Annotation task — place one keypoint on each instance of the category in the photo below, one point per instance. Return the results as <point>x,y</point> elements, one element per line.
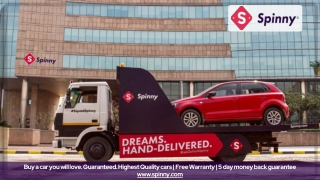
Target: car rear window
<point>251,88</point>
<point>266,88</point>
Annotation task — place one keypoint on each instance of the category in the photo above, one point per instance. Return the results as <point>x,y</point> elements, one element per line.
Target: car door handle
<point>263,98</point>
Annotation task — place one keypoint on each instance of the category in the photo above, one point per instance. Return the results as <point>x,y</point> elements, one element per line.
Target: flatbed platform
<point>141,116</point>
<point>157,116</point>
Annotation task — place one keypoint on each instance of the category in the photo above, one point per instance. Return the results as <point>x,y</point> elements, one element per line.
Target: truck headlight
<point>174,105</point>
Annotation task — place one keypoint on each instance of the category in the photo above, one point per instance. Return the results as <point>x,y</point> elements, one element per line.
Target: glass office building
<point>89,39</point>
<point>9,17</point>
<point>280,57</point>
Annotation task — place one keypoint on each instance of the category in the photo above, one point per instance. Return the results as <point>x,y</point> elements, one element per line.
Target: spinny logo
<point>265,18</point>
<point>30,59</point>
<point>276,19</point>
<point>128,96</point>
<point>241,17</point>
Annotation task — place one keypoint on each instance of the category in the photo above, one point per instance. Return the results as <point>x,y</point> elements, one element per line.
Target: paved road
<point>79,158</point>
<point>298,148</point>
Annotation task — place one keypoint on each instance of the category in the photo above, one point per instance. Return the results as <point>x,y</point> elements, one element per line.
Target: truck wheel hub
<point>97,151</point>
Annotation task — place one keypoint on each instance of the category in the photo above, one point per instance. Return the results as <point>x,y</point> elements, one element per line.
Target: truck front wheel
<point>97,149</point>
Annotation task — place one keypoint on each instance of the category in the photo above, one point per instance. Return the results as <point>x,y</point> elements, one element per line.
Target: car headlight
<point>174,105</point>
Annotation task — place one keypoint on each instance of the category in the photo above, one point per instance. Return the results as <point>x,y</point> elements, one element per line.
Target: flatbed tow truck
<point>148,125</point>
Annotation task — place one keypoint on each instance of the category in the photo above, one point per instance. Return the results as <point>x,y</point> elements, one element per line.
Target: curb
<point>283,152</point>
<point>117,153</point>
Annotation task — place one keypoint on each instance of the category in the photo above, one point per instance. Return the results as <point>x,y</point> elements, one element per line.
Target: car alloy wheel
<point>191,119</point>
<point>274,117</point>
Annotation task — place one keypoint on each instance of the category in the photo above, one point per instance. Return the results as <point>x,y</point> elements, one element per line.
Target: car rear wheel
<point>273,116</point>
<point>191,118</point>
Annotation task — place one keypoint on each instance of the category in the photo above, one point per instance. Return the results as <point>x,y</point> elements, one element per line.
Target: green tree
<point>115,114</point>
<point>312,106</point>
<point>2,122</point>
<point>294,101</point>
<point>314,63</point>
<point>298,103</point>
<point>44,119</point>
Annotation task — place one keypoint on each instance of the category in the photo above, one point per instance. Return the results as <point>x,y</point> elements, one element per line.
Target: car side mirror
<point>211,94</point>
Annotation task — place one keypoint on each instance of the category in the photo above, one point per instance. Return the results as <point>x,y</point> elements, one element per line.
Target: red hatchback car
<point>234,102</point>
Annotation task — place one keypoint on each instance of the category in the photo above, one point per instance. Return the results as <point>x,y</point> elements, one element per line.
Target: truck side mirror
<point>211,94</point>
<point>68,103</point>
<point>68,92</point>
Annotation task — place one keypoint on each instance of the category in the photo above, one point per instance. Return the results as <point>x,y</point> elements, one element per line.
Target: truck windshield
<point>74,97</point>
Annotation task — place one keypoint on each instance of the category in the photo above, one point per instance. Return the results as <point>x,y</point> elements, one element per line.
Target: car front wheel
<point>191,118</point>
<point>273,116</point>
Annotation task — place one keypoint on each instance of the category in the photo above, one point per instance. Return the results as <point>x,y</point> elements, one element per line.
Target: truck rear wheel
<point>236,158</point>
<point>97,149</point>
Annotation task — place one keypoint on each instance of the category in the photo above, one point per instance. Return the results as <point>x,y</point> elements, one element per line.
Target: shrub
<point>4,124</point>
<point>44,119</point>
<point>315,63</point>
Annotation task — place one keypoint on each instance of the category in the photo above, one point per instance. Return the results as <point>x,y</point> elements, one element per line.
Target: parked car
<point>254,102</point>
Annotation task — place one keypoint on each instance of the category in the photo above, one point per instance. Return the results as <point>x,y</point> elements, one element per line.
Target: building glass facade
<point>173,89</point>
<point>8,29</point>
<point>149,63</point>
<point>146,37</point>
<point>136,11</point>
<point>313,87</point>
<point>254,54</point>
<point>271,56</point>
<point>294,86</point>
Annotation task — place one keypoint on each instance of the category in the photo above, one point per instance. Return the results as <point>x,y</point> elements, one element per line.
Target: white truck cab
<point>86,108</point>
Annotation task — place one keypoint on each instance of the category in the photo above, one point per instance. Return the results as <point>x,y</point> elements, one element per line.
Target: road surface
<point>79,158</point>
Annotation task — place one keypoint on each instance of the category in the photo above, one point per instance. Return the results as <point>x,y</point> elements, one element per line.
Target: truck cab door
<point>83,112</point>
